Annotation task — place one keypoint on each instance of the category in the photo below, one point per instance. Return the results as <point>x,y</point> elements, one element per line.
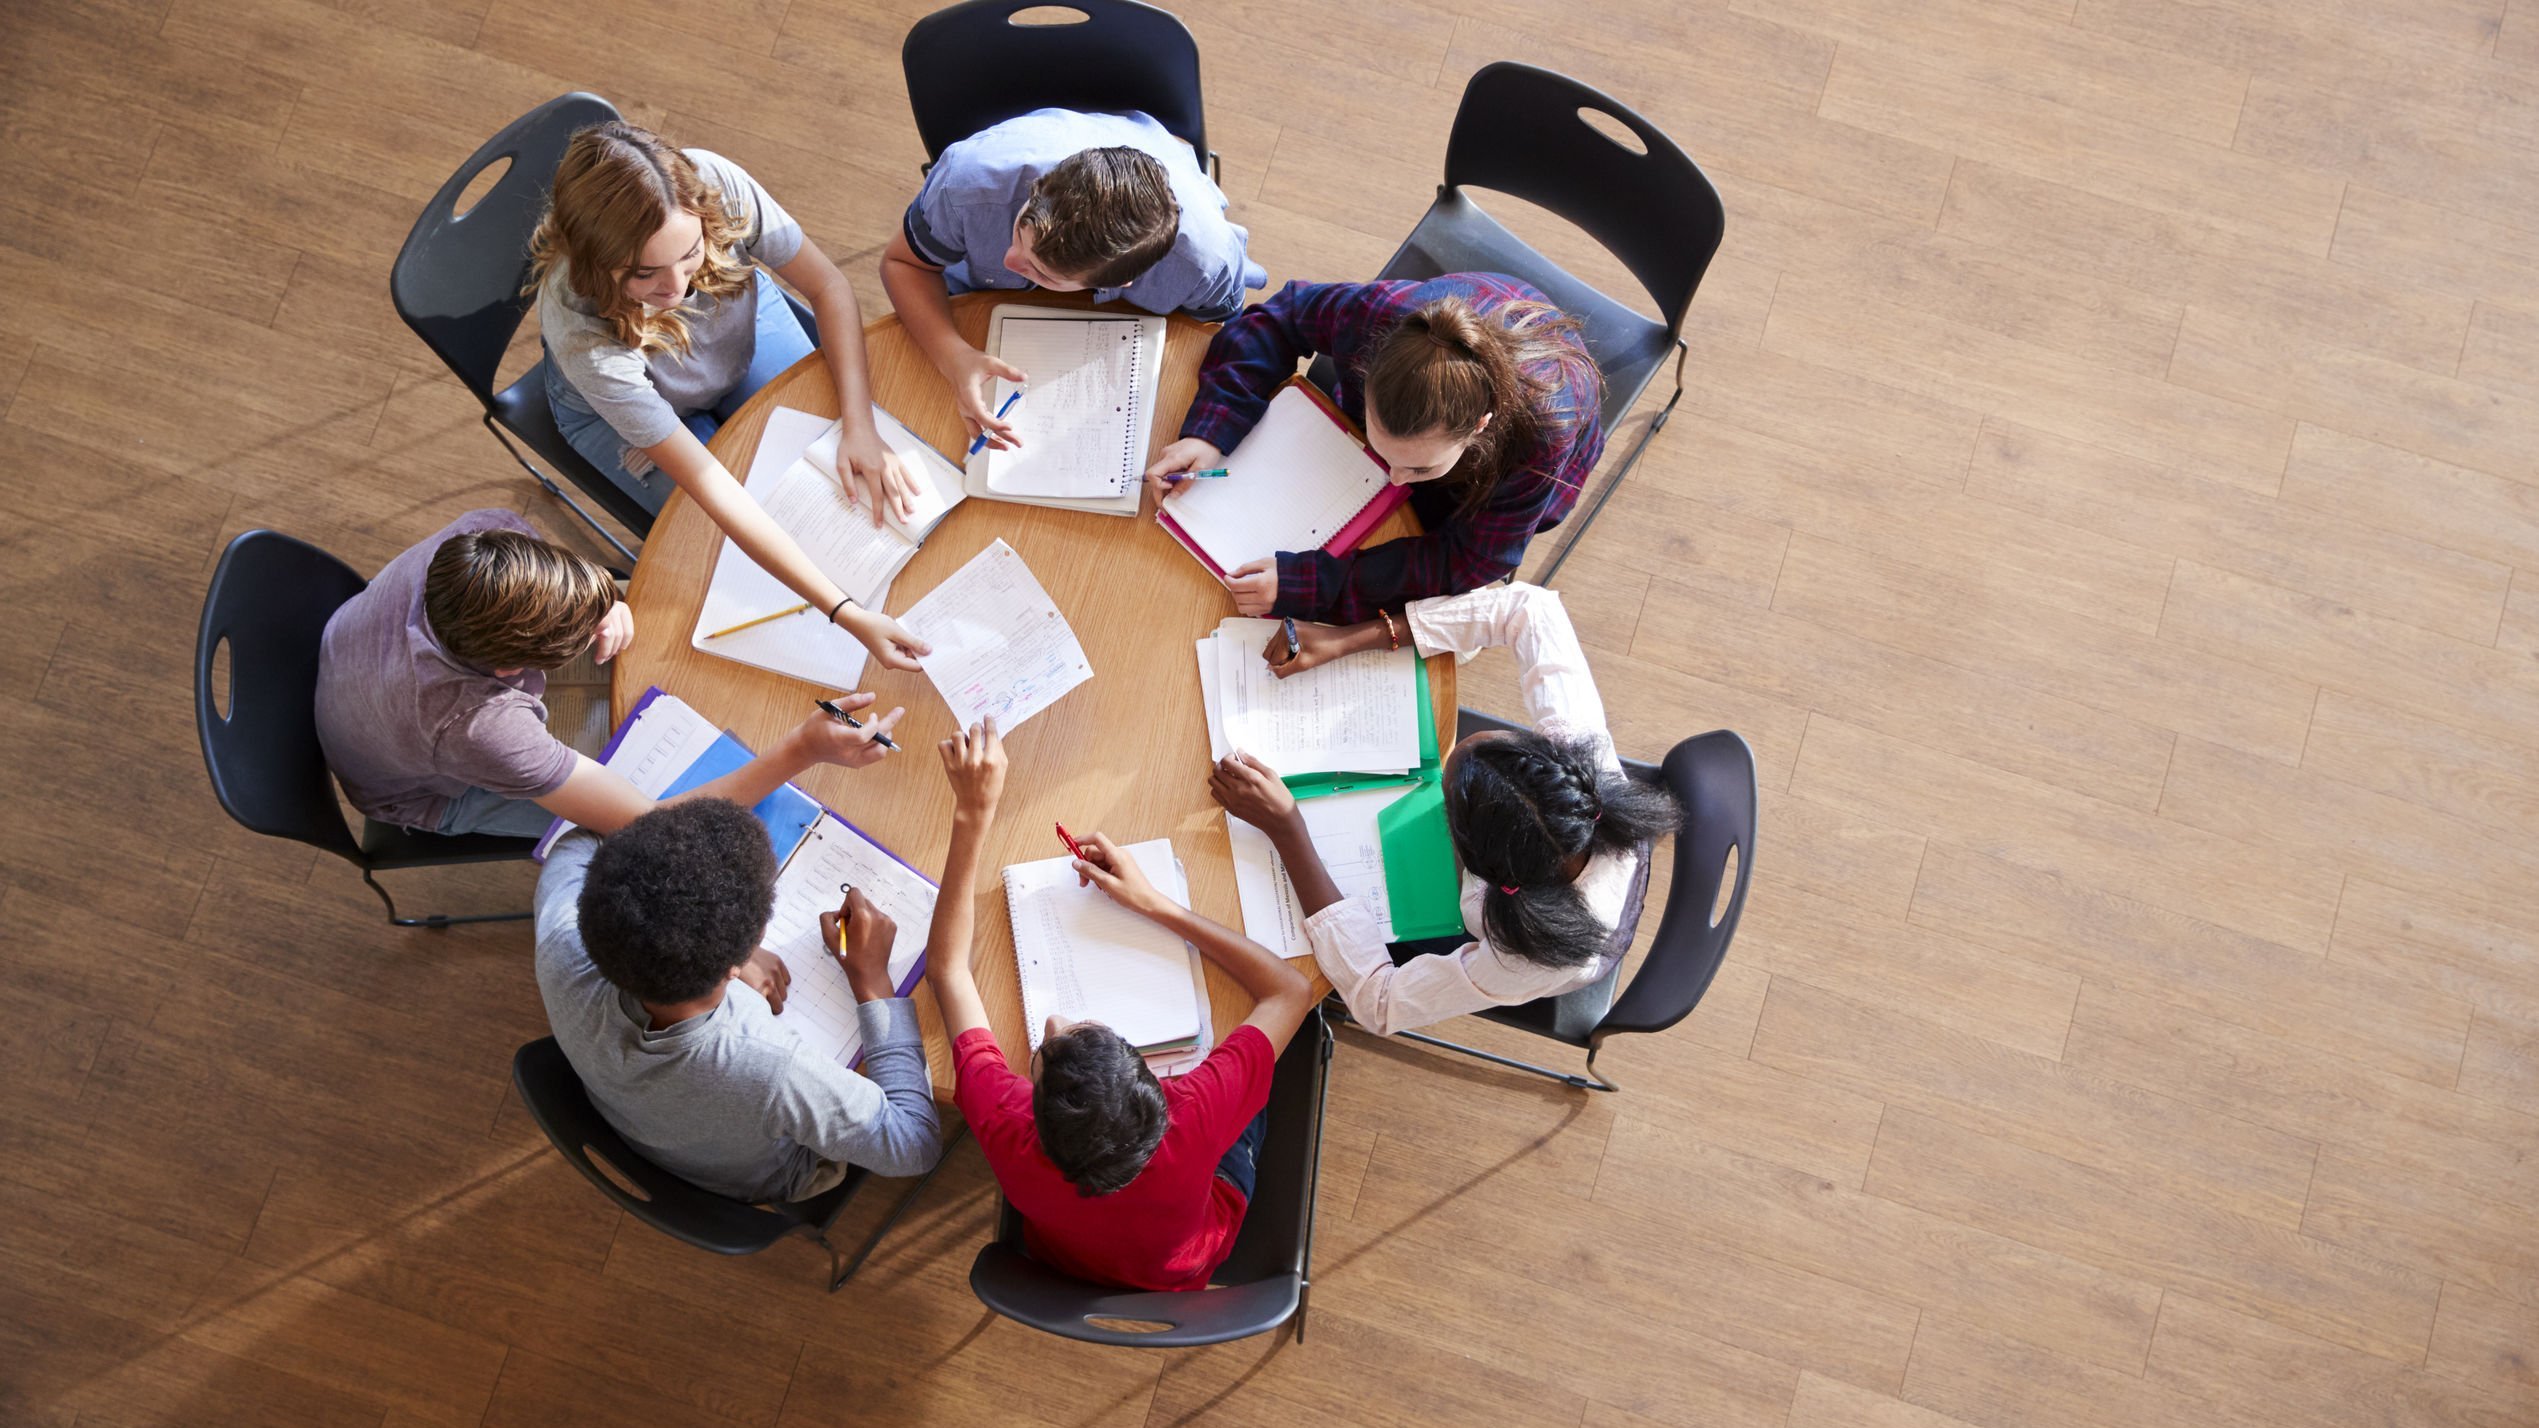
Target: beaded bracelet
<point>1392,636</point>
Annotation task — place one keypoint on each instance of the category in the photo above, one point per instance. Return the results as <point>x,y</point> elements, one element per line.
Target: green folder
<point>1317,785</point>
<point>1421,880</point>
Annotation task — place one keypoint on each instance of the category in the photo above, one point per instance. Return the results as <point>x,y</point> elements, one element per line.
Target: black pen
<point>853,723</point>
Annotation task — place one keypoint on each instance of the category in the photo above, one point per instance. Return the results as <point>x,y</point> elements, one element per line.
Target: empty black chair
<point>557,1102</point>
<point>1713,776</point>
<point>1521,131</point>
<point>1266,1278</point>
<point>970,66</point>
<point>270,599</point>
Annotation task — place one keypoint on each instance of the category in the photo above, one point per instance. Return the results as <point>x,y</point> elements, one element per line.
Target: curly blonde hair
<point>616,185</point>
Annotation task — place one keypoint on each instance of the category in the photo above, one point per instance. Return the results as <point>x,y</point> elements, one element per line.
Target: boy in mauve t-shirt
<point>1119,1179</point>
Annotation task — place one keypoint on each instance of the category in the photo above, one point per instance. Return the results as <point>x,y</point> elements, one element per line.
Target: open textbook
<point>1086,413</point>
<point>999,645</point>
<point>665,747</point>
<point>1086,958</point>
<point>1359,714</point>
<point>1301,479</point>
<point>793,478</point>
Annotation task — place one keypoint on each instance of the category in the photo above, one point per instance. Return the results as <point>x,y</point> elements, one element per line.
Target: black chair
<point>1266,1278</point>
<point>269,602</point>
<point>1520,131</point>
<point>1713,775</point>
<point>460,282</point>
<point>970,66</point>
<point>557,1102</point>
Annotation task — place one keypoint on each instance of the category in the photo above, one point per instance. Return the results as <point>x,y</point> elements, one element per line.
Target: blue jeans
<point>781,342</point>
<point>1241,1165</point>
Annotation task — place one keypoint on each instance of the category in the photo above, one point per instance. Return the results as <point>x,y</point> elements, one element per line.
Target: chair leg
<point>1570,539</point>
<point>437,920</point>
<point>841,1268</point>
<point>558,492</point>
<point>1589,1082</point>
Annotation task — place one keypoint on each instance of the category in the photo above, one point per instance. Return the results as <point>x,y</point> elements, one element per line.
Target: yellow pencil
<point>763,619</point>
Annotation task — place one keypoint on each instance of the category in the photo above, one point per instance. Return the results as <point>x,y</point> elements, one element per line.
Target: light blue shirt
<point>729,1099</point>
<point>963,219</point>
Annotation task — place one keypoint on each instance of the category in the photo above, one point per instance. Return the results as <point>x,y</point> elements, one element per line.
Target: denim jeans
<point>1241,1165</point>
<point>781,343</point>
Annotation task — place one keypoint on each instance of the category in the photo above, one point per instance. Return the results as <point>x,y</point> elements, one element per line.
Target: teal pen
<point>1011,397</point>
<point>1213,473</point>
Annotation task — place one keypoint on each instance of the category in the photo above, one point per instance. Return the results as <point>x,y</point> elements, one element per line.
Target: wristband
<point>843,602</point>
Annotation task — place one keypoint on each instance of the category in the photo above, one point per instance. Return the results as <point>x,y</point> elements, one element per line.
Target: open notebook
<point>1086,958</point>
<point>665,747</point>
<point>1301,479</point>
<point>1086,413</point>
<point>793,479</point>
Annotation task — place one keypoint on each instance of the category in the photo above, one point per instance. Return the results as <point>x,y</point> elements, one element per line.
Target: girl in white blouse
<point>1546,826</point>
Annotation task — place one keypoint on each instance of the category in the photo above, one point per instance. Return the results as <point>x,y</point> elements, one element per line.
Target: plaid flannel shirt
<point>1256,352</point>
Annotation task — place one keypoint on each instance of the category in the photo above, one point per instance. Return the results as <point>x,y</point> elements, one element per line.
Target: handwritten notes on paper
<point>1000,646</point>
<point>1359,714</point>
<point>820,1006</point>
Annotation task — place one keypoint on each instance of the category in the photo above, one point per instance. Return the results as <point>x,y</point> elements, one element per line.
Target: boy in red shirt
<point>1119,1179</point>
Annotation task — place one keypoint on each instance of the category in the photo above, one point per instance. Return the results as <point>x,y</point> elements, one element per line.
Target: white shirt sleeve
<point>1560,695</point>
<point>1349,946</point>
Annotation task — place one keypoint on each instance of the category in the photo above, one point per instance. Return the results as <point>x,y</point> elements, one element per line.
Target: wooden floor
<point>2100,499</point>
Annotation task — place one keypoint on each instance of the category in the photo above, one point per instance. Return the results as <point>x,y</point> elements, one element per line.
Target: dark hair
<point>1102,216</point>
<point>1099,1110</point>
<point>676,899</point>
<point>504,600</point>
<point>1446,366</point>
<point>1522,805</point>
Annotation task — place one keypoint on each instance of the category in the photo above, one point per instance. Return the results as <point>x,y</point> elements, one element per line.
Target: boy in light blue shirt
<point>1070,202</point>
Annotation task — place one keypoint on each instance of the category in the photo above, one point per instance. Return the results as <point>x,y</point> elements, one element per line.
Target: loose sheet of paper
<point>1078,418</point>
<point>1293,482</point>
<point>666,736</point>
<point>819,1004</point>
<point>1082,956</point>
<point>938,480</point>
<point>1000,646</point>
<point>1357,715</point>
<point>1342,826</point>
<point>802,645</point>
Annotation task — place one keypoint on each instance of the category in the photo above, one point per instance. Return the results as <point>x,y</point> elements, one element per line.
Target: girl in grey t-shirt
<point>658,325</point>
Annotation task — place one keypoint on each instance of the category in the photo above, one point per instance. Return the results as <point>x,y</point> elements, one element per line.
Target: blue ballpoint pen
<point>1011,397</point>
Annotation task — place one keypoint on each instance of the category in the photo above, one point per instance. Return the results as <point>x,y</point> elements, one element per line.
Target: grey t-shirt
<point>728,1099</point>
<point>407,726</point>
<point>642,398</point>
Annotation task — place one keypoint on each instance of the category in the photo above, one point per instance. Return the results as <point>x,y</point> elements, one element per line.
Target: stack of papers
<point>998,644</point>
<point>793,478</point>
<point>1081,956</point>
<point>1355,715</point>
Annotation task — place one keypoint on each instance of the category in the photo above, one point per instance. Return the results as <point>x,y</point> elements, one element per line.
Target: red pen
<point>1072,846</point>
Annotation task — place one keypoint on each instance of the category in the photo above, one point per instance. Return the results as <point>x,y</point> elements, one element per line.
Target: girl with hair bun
<point>1550,834</point>
<point>1474,389</point>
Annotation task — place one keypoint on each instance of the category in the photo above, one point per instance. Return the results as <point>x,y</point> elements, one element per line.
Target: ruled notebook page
<point>1078,419</point>
<point>1086,958</point>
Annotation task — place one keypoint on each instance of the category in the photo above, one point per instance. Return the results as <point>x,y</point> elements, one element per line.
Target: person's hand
<point>872,473</point>
<point>1187,454</point>
<point>1315,645</point>
<point>1252,791</point>
<point>1254,586</point>
<point>1117,874</point>
<point>616,631</point>
<point>833,741</point>
<point>767,974</point>
<point>976,763</point>
<point>889,640</point>
<point>973,378</point>
<point>860,935</point>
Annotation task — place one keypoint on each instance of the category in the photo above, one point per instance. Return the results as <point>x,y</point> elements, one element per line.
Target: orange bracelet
<point>1392,636</point>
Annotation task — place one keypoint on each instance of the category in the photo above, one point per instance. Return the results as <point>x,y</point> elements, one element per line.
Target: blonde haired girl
<point>658,325</point>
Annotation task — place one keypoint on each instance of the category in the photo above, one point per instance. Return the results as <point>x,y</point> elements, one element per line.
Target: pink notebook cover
<point>1347,537</point>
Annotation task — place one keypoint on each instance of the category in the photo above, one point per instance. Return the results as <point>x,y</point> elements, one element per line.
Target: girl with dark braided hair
<point>1550,834</point>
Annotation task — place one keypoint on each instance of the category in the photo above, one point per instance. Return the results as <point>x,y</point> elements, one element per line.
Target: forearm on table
<point>924,306</point>
<point>726,502</point>
<point>756,779</point>
<point>1263,973</point>
<point>1296,852</point>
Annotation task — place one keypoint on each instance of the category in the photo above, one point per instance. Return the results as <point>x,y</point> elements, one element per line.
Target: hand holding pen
<point>880,729</point>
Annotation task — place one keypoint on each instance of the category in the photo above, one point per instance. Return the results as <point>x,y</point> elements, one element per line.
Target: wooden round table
<point>1125,753</point>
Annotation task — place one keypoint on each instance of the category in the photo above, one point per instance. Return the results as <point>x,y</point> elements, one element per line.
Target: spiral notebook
<point>1301,479</point>
<point>1086,958</point>
<point>1086,413</point>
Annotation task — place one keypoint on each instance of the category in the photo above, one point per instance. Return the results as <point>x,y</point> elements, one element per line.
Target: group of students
<point>658,324</point>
